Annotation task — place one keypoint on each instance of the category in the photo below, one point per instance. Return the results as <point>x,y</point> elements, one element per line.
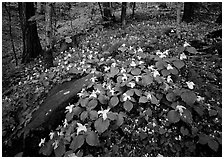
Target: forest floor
<point>146,127</point>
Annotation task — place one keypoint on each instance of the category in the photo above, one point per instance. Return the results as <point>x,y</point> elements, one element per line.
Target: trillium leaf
<point>135,71</point>
<point>138,92</point>
<point>187,116</point>
<point>93,115</point>
<point>143,99</point>
<point>113,71</point>
<point>165,72</point>
<point>112,116</point>
<point>148,112</point>
<point>203,139</point>
<point>160,65</point>
<point>214,145</point>
<point>84,102</point>
<point>178,64</point>
<point>92,104</point>
<point>184,131</point>
<point>47,148</point>
<point>128,105</point>
<point>102,99</point>
<point>120,119</point>
<point>173,116</point>
<point>171,97</point>
<point>60,150</point>
<point>101,125</point>
<point>212,112</point>
<point>77,142</point>
<point>154,100</point>
<point>191,50</point>
<point>92,138</point>
<point>84,115</point>
<point>174,71</point>
<point>189,97</point>
<point>114,101</point>
<point>147,80</point>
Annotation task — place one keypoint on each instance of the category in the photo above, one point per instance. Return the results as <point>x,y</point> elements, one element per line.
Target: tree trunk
<point>48,57</point>
<point>107,14</point>
<point>133,9</point>
<point>10,32</point>
<point>31,41</point>
<point>123,13</point>
<point>188,12</point>
<point>178,19</point>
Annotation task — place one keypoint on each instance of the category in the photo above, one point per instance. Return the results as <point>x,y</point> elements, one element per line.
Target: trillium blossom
<point>55,144</point>
<point>183,56</point>
<point>140,50</point>
<point>149,96</point>
<point>104,113</point>
<point>93,79</point>
<point>180,108</point>
<point>81,93</point>
<point>132,84</point>
<point>60,133</point>
<point>166,52</point>
<point>186,44</point>
<point>199,98</point>
<point>51,135</point>
<point>190,85</point>
<point>123,70</point>
<point>93,94</point>
<point>137,78</point>
<point>42,141</point>
<point>69,108</point>
<point>124,78</point>
<point>81,128</point>
<point>159,155</point>
<point>133,64</point>
<point>112,91</point>
<point>106,68</point>
<point>65,123</point>
<point>169,67</point>
<point>151,67</point>
<point>126,97</point>
<point>169,79</point>
<point>113,64</point>
<point>155,73</point>
<point>97,91</point>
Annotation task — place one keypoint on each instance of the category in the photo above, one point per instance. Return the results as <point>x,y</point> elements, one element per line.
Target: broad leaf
<point>92,104</point>
<point>143,99</point>
<point>77,142</point>
<point>184,131</point>
<point>214,145</point>
<point>128,105</point>
<point>189,97</point>
<point>203,139</point>
<point>120,119</point>
<point>93,115</point>
<point>112,116</point>
<point>147,80</point>
<point>187,116</point>
<point>165,72</point>
<point>178,64</point>
<point>84,115</point>
<point>191,50</point>
<point>47,148</point>
<point>103,99</point>
<point>114,101</point>
<point>135,71</point>
<point>60,150</point>
<point>92,138</point>
<point>101,125</point>
<point>154,100</point>
<point>173,116</point>
<point>171,97</point>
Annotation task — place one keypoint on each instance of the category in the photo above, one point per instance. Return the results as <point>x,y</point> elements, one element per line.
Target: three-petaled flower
<point>51,135</point>
<point>169,79</point>
<point>126,96</point>
<point>137,78</point>
<point>133,64</point>
<point>186,44</point>
<point>55,144</point>
<point>81,128</point>
<point>155,73</point>
<point>104,113</point>
<point>169,67</point>
<point>124,78</point>
<point>123,70</point>
<point>180,108</point>
<point>42,141</point>
<point>183,56</point>
<point>93,79</point>
<point>93,94</point>
<point>190,85</point>
<point>69,108</point>
<point>132,84</point>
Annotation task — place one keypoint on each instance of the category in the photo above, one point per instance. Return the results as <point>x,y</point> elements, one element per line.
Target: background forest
<point>112,79</point>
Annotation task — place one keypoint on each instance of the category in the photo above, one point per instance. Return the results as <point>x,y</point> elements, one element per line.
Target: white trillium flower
<point>69,108</point>
<point>133,64</point>
<point>140,50</point>
<point>97,91</point>
<point>106,68</point>
<point>155,73</point>
<point>186,44</point>
<point>81,128</point>
<point>183,56</point>
<point>113,64</point>
<point>126,97</point>
<point>137,78</point>
<point>65,123</point>
<point>149,96</point>
<point>55,144</point>
<point>51,135</point>
<point>162,56</point>
<point>190,85</point>
<point>104,113</point>
<point>141,62</point>
<point>123,70</point>
<point>169,79</point>
<point>112,91</point>
<point>60,133</point>
<point>166,52</point>
<point>132,84</point>
<point>81,93</point>
<point>93,79</point>
<point>151,67</point>
<point>180,108</point>
<point>124,78</point>
<point>169,67</point>
<point>93,94</point>
<point>42,141</point>
<point>199,98</point>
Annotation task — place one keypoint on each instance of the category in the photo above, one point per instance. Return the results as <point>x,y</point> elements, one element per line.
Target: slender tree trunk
<point>31,42</point>
<point>10,32</point>
<point>178,19</point>
<point>188,12</point>
<point>107,15</point>
<point>48,57</point>
<point>123,13</point>
<point>101,11</point>
<point>133,9</point>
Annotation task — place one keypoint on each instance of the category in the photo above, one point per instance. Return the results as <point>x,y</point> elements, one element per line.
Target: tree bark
<point>31,41</point>
<point>188,12</point>
<point>178,19</point>
<point>107,12</point>
<point>10,32</point>
<point>48,57</point>
<point>123,13</point>
<point>133,9</point>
